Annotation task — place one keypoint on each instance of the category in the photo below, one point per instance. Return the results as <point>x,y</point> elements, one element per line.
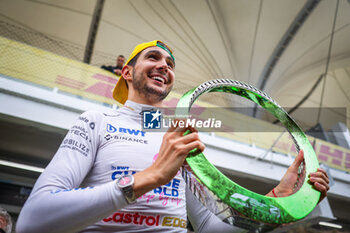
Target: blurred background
<point>58,58</point>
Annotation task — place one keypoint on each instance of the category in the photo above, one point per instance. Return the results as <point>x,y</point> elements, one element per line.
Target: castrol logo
<point>145,220</point>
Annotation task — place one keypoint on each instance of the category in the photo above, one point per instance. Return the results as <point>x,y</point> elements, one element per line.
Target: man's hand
<point>172,154</point>
<point>319,179</point>
<point>117,71</point>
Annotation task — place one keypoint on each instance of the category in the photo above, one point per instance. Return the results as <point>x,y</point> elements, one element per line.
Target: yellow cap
<point>120,92</point>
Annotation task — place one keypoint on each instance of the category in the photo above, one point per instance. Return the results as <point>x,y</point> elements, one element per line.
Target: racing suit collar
<point>138,108</point>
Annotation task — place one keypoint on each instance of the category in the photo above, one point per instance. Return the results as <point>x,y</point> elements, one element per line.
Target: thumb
<point>297,161</point>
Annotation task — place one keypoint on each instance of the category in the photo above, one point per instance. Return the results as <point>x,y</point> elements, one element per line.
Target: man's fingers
<point>189,137</point>
<point>319,181</point>
<point>175,126</point>
<point>319,175</point>
<point>323,171</point>
<point>184,139</point>
<point>322,189</point>
<point>297,161</point>
<point>193,145</point>
<point>179,126</point>
<point>190,142</point>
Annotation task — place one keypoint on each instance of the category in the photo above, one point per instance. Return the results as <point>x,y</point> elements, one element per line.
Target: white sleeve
<point>57,203</point>
<point>203,220</point>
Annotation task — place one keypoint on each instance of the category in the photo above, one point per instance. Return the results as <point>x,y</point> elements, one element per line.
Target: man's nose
<point>163,65</point>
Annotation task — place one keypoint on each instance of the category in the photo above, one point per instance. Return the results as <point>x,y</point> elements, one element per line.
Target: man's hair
<point>133,61</point>
<point>121,56</point>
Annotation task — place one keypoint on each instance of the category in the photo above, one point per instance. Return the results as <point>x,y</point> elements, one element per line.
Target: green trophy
<point>230,201</point>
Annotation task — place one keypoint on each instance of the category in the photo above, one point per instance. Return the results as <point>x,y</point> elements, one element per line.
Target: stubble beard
<point>146,91</point>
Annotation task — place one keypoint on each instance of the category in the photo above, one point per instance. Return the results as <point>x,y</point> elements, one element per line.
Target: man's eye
<point>170,65</point>
<point>152,56</point>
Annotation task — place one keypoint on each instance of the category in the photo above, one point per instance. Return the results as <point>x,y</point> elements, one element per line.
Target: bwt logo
<point>152,119</point>
<point>111,129</point>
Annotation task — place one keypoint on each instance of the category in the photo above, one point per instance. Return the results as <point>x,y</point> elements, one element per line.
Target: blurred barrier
<point>38,66</point>
<point>29,36</point>
<point>49,70</point>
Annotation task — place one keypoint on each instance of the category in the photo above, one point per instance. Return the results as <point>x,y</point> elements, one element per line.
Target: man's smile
<point>159,78</point>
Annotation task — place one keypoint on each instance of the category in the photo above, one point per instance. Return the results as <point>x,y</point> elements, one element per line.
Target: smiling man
<point>110,176</point>
<point>150,79</point>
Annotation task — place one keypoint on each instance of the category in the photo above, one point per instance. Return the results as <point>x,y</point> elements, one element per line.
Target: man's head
<point>120,61</point>
<point>5,220</point>
<point>149,70</point>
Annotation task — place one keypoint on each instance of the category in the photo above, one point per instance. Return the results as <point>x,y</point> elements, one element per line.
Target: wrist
<point>273,192</point>
<point>145,181</point>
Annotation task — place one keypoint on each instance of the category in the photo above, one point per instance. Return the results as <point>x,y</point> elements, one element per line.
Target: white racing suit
<point>77,191</point>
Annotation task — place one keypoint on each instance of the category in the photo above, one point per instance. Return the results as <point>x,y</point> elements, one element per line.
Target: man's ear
<point>127,72</point>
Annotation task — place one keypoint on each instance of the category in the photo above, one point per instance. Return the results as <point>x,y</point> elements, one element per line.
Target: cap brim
<point>120,92</point>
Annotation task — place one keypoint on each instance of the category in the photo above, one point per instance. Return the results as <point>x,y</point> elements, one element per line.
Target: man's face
<point>3,222</point>
<point>120,61</point>
<point>153,74</point>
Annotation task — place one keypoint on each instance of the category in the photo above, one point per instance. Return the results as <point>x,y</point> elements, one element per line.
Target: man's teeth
<point>159,79</point>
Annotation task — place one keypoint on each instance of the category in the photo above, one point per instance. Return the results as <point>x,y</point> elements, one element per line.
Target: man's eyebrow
<point>159,53</point>
<point>153,51</point>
